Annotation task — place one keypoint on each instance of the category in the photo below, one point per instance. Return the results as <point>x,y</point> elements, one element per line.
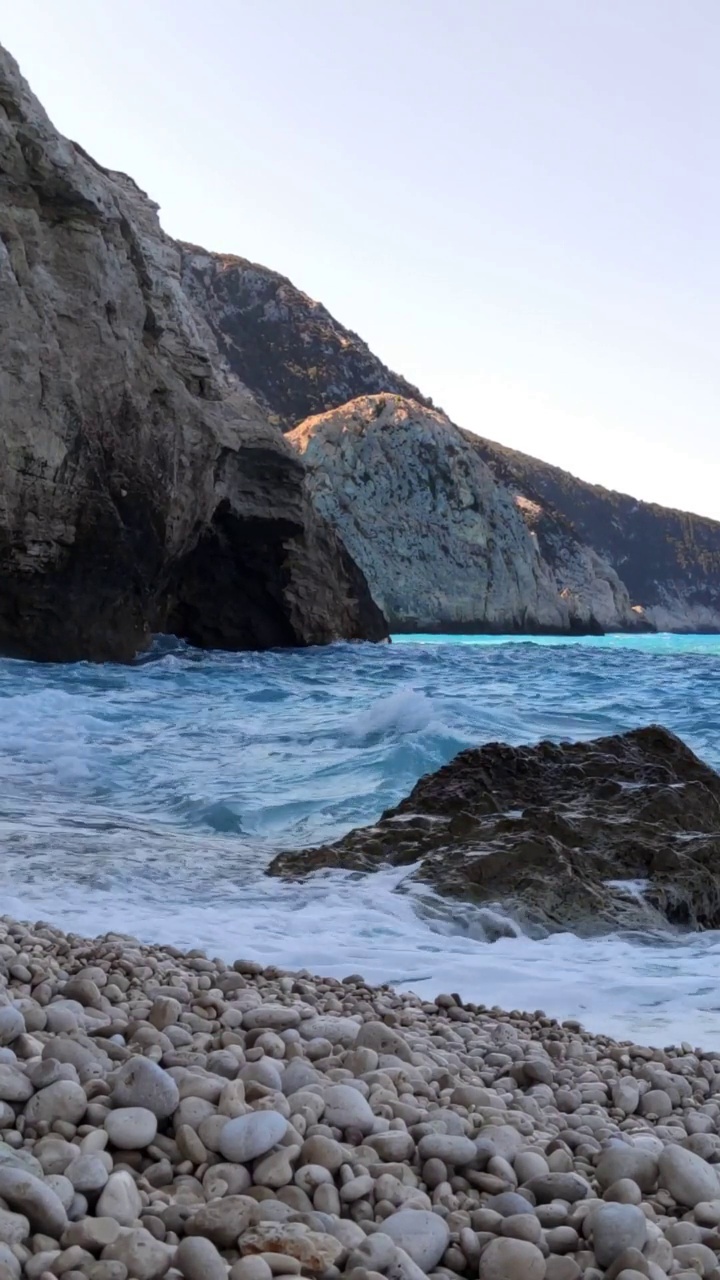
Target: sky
<point>516,203</point>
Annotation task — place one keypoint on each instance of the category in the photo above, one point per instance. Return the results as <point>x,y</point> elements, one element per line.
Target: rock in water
<point>142,487</point>
<point>590,836</point>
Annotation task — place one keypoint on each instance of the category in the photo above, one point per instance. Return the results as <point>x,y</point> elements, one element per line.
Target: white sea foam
<point>149,799</point>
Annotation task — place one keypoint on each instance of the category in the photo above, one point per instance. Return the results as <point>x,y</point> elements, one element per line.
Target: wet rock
<point>559,834</point>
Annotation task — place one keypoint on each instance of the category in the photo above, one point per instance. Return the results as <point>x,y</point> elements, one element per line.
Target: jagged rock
<point>141,485</point>
<point>442,544</point>
<point>619,832</point>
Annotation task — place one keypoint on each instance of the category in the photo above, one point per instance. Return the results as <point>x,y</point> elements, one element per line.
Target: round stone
<point>87,1174</point>
<point>14,1084</point>
<point>687,1177</point>
<point>198,1259</point>
<point>508,1203</point>
<point>451,1150</point>
<point>616,1227</point>
<point>142,1083</point>
<point>383,1040</point>
<point>424,1236</point>
<point>558,1186</point>
<point>120,1199</point>
<point>506,1259</point>
<point>249,1136</point>
<point>34,1199</point>
<point>346,1108</point>
<point>131,1128</point>
<point>223,1220</point>
<point>342,1031</point>
<point>64,1100</point>
<point>12,1024</point>
<point>623,1161</point>
<point>145,1257</point>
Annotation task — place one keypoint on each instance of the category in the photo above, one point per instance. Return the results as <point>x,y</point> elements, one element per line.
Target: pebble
<point>314,1250</point>
<point>12,1024</point>
<point>34,1199</point>
<point>687,1176</point>
<point>247,1137</point>
<point>142,1083</point>
<point>198,1259</point>
<point>423,1236</point>
<point>346,1108</point>
<point>166,1115</point>
<point>120,1199</point>
<point>616,1227</point>
<point>144,1257</point>
<point>504,1259</point>
<point>131,1128</point>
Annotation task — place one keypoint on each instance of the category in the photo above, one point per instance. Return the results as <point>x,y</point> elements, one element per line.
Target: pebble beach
<point>167,1114</point>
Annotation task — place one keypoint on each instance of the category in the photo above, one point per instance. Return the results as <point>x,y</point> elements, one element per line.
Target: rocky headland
<point>612,563</point>
<point>169,1115</point>
<point>443,545</point>
<point>617,833</point>
<point>142,486</point>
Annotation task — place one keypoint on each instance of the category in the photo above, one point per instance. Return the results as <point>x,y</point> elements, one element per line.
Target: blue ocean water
<point>149,799</point>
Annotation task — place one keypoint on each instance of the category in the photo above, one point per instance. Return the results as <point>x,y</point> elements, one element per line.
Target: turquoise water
<point>150,798</point>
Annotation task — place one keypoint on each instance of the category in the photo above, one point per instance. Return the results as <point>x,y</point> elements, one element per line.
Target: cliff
<point>142,485</point>
<point>669,560</point>
<point>443,545</point>
<point>616,563</point>
<point>294,356</point>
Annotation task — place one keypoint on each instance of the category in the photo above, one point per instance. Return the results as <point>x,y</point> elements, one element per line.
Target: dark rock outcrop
<point>620,832</point>
<point>141,484</point>
<point>292,354</point>
<point>607,554</point>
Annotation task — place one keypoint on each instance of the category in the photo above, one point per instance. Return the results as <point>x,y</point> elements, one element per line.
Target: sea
<point>149,799</point>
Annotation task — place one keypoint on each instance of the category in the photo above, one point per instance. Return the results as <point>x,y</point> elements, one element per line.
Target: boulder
<point>619,832</point>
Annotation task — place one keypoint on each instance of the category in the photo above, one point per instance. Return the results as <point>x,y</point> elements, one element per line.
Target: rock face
<point>616,564</point>
<point>142,486</point>
<point>669,560</point>
<point>443,545</point>
<point>292,354</point>
<point>620,832</point>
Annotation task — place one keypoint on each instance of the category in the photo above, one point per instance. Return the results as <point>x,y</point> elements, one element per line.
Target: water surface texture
<point>149,799</point>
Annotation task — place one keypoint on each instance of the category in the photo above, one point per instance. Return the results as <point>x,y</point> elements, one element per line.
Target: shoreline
<point>180,1116</point>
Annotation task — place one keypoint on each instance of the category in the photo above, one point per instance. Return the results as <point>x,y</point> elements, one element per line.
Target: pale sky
<point>515,202</point>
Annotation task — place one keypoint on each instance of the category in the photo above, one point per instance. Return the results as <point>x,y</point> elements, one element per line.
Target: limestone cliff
<point>443,545</point>
<point>141,484</point>
<point>617,564</point>
<point>669,560</point>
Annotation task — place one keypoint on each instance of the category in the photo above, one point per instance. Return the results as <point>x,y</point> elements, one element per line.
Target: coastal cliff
<point>142,486</point>
<point>669,560</point>
<point>443,545</point>
<point>616,564</point>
